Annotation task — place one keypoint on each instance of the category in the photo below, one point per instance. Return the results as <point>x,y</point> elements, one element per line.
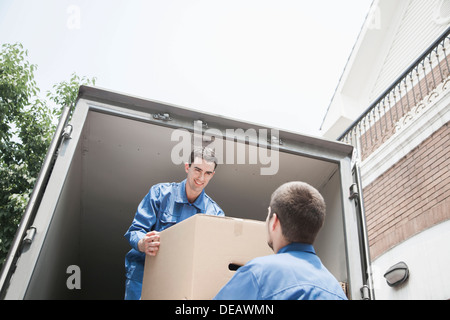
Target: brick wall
<point>413,195</point>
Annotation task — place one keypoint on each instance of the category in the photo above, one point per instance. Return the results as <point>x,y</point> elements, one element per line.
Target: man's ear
<point>186,167</point>
<point>274,222</point>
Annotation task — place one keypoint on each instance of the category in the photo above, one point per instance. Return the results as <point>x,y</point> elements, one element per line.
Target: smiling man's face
<point>199,174</point>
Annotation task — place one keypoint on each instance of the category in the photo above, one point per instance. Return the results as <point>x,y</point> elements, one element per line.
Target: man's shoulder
<point>275,263</point>
<point>165,186</point>
<point>210,200</point>
<point>211,204</point>
<point>299,282</point>
<point>264,263</point>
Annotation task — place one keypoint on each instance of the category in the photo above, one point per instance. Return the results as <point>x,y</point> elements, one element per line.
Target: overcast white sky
<point>273,62</point>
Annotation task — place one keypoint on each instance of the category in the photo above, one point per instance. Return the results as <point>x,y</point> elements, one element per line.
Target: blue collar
<point>295,246</point>
<point>181,197</point>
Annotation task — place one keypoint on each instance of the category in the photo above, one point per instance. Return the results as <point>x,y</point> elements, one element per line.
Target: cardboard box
<point>196,255</point>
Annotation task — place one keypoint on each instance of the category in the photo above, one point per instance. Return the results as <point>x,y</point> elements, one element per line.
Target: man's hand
<point>150,243</point>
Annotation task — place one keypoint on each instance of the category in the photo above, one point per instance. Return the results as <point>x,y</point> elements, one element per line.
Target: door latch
<point>29,237</point>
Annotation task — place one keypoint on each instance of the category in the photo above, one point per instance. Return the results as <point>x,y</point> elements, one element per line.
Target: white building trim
<point>419,124</point>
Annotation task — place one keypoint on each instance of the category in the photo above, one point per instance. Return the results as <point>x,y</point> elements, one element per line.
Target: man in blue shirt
<point>294,272</point>
<point>165,205</point>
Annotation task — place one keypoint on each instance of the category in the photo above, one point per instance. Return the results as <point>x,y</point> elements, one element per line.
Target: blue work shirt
<point>165,205</point>
<point>294,273</point>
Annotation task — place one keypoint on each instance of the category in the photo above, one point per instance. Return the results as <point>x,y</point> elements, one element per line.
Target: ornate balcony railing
<point>416,88</point>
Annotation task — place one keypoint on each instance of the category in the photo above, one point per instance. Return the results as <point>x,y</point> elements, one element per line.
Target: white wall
<point>428,258</point>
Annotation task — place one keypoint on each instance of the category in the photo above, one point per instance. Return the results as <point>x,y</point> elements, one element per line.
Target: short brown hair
<point>300,209</point>
<point>204,153</point>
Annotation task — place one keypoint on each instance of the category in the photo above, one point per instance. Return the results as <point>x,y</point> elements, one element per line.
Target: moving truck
<point>111,148</point>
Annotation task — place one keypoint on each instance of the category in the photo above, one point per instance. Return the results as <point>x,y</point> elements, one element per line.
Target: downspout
<point>367,291</point>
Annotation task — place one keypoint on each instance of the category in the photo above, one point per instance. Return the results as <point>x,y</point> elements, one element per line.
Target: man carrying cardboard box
<point>165,205</point>
<point>294,272</point>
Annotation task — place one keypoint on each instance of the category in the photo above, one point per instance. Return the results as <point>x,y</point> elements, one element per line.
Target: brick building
<point>393,104</point>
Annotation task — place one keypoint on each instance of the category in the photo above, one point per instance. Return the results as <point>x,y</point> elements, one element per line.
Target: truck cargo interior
<point>114,162</point>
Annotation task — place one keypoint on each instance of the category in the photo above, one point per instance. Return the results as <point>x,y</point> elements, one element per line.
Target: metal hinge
<point>365,292</point>
<point>67,132</point>
<point>162,116</point>
<point>354,193</point>
<point>29,237</point>
<point>274,140</point>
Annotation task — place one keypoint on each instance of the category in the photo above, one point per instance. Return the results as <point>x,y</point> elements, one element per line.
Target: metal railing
<point>410,93</point>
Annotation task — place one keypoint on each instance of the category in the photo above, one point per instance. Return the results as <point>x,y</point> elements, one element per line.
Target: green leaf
<point>27,125</point>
